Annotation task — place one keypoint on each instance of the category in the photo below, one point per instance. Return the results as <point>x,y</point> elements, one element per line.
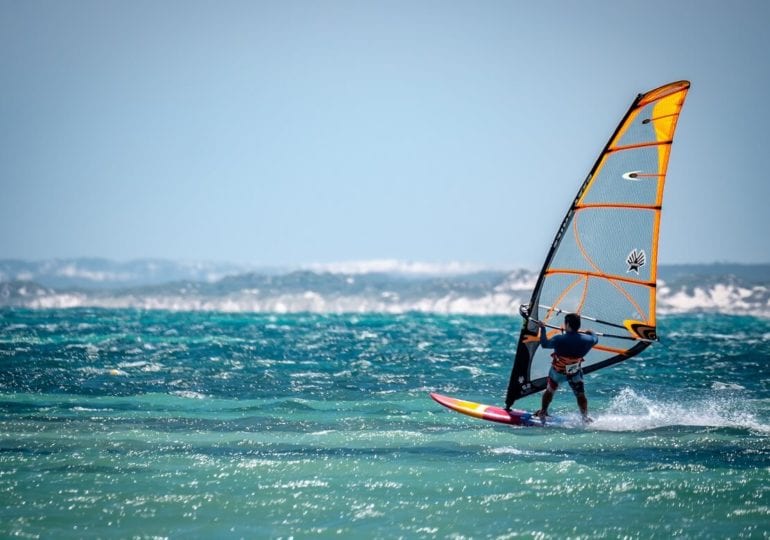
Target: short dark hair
<point>573,320</point>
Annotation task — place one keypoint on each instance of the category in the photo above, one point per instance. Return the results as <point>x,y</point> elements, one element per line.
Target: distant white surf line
<point>309,302</point>
<point>395,266</point>
<point>503,299</point>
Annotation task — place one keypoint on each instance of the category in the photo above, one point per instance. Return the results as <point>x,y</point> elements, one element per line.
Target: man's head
<point>572,321</point>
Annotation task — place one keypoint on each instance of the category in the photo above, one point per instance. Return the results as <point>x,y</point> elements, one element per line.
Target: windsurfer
<point>569,350</point>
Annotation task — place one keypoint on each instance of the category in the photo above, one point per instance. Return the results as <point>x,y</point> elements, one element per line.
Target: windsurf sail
<point>603,262</point>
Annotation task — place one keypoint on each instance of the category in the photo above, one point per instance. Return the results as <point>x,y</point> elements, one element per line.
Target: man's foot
<point>542,414</point>
<point>587,419</point>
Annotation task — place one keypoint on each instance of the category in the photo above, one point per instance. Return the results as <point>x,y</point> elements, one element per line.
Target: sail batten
<point>636,146</point>
<point>603,260</point>
<point>619,205</point>
<point>609,277</point>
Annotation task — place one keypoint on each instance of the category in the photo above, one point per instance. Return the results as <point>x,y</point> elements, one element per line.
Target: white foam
<point>394,266</point>
<point>630,411</point>
<point>501,298</point>
<point>513,451</point>
<point>474,371</point>
<point>188,394</point>
<point>88,370</point>
<point>59,301</point>
<point>138,363</point>
<point>726,386</point>
<point>72,271</point>
<point>497,303</point>
<point>721,297</point>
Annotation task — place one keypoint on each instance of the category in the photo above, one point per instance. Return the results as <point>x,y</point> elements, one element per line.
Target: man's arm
<point>544,341</point>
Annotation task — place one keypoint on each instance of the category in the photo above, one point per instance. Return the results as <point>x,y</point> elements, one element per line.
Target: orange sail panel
<point>603,261</point>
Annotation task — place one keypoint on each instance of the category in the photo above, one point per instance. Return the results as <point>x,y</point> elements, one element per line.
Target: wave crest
<point>390,286</point>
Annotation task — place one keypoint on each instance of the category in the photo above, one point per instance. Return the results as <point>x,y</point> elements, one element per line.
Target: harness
<point>566,364</point>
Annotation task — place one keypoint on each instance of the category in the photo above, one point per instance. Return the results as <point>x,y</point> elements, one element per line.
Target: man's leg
<point>550,388</point>
<point>582,402</point>
<point>576,383</point>
<point>545,403</point>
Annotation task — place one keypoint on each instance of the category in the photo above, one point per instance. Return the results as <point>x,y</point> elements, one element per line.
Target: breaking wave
<point>632,411</point>
<point>385,286</point>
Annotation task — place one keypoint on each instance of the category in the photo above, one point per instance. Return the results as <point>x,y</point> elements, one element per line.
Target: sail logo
<point>632,175</point>
<point>636,259</point>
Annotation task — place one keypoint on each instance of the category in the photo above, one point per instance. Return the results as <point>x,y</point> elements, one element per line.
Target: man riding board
<point>569,350</point>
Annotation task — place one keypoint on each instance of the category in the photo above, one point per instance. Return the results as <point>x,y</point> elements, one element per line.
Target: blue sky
<point>284,133</point>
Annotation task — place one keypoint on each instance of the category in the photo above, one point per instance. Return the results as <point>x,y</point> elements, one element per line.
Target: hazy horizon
<point>350,266</point>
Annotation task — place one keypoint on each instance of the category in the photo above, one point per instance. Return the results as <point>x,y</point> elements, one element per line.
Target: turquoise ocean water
<point>152,424</point>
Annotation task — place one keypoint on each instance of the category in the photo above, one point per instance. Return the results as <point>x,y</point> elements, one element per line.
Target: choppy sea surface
<point>121,423</point>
